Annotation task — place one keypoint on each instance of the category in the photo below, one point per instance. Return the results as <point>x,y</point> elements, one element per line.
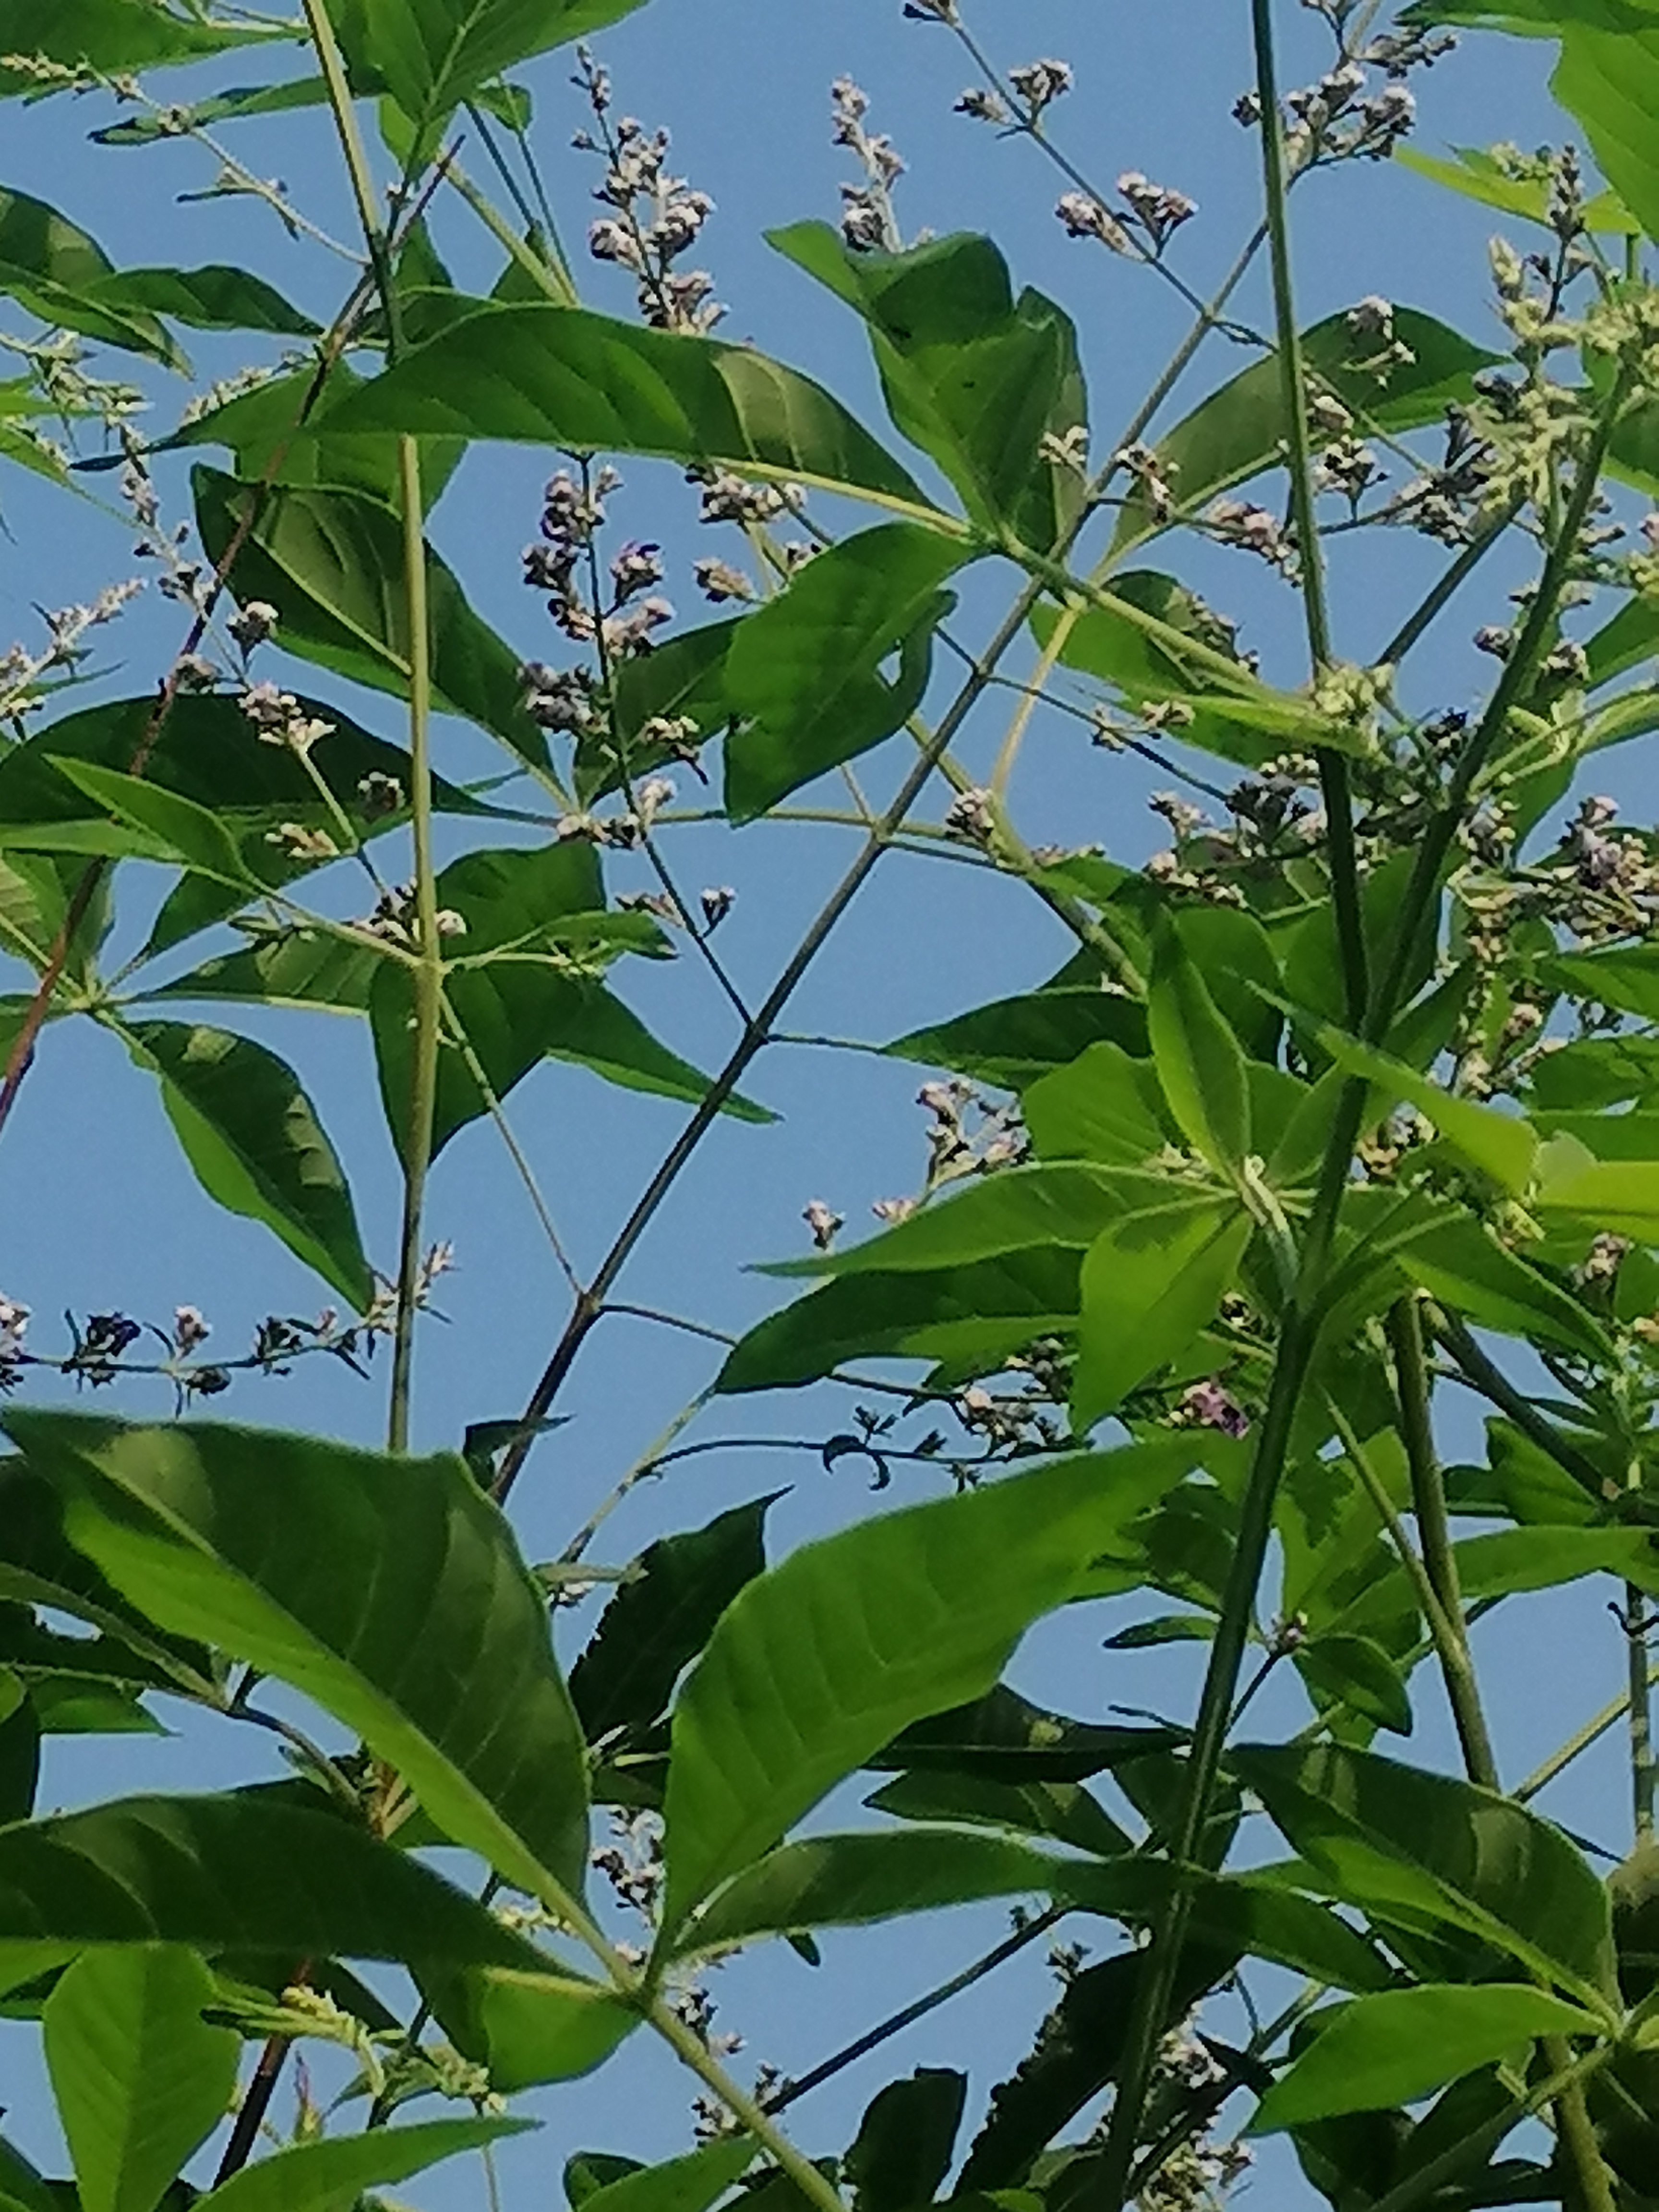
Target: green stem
<point>1581,1741</point>
<point>1405,1332</point>
<point>1482,1374</point>
<point>429,975</point>
<point>1443,1635</point>
<point>742,2106</point>
<point>356,159</point>
<point>1638,1620</point>
<point>547,277</point>
<point>1567,2082</point>
<point>1333,768</point>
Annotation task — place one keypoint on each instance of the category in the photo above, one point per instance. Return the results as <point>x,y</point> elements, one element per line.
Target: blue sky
<point>99,1212</point>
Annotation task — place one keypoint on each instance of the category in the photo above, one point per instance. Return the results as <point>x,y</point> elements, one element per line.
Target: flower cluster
<point>868,222</point>
<point>654,218</point>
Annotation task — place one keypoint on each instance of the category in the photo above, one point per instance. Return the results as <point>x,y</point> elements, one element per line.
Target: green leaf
<point>683,679</point>
<point>969,1317</point>
<point>141,2080</point>
<point>433,56</point>
<point>528,2026</point>
<point>531,1002</point>
<point>822,1659</point>
<point>114,36</point>
<point>561,376</point>
<point>212,299</point>
<point>253,1138</point>
<point>1400,2045</point>
<point>588,2171</point>
<point>1064,1811</point>
<point>1103,1107</point>
<point>901,2152</point>
<point>1482,176</point>
<point>806,672</point>
<point>1005,1737</point>
<point>689,2183</point>
<point>1463,1265</point>
<point>662,1617</point>
<point>1198,1058</point>
<point>20,1749</point>
<point>848,1881</point>
<point>250,1871</point>
<point>331,564</point>
<point>50,266</point>
<point>1240,430</point>
<point>1388,1833</point>
<point>1151,1283</point>
<point>181,830</point>
<point>1013,1041</point>
<point>267,1545</point>
<point>1066,1204</point>
<point>1619,1196</point>
<point>978,380</point>
<point>229,107</point>
<point>317,2177</point>
<point>1501,1146</point>
<point>1357,1672</point>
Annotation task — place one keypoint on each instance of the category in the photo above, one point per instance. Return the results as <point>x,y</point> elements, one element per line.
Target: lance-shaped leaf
<point>1478,174</point>
<point>822,1661</point>
<point>1463,1265</point>
<point>984,383</point>
<point>433,56</point>
<point>19,1748</point>
<point>1388,1833</point>
<point>114,36</point>
<point>253,1138</point>
<point>319,2176</point>
<point>528,2026</point>
<point>1501,1146</point>
<point>212,299</point>
<point>805,672</point>
<point>1151,1283</point>
<point>250,1872</point>
<point>51,267</point>
<point>561,376</point>
<point>141,2080</point>
<point>389,1589</point>
<point>1400,2045</point>
<point>1198,1061</point>
<point>1013,1041</point>
<point>850,1879</point>
<point>967,1318</point>
<point>689,2183</point>
<point>1240,430</point>
<point>331,563</point>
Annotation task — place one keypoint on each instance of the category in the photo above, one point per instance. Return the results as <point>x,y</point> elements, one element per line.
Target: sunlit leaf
<point>316,2177</point>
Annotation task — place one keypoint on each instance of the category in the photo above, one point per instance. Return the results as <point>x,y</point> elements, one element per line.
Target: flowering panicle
<point>653,219</point>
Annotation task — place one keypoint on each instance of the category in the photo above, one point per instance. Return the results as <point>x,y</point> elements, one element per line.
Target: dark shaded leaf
<point>316,2177</point>
<point>901,2152</point>
<point>20,1749</point>
<point>1004,1737</point>
<point>662,1617</point>
<point>1064,1811</point>
<point>212,299</point>
<point>1013,1041</point>
<point>51,267</point>
<point>113,36</point>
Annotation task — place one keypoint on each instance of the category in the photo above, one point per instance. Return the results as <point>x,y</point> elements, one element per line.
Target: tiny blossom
<point>1209,1406</point>
<point>252,624</point>
<point>971,814</point>
<point>1085,216</point>
<point>636,569</point>
<point>449,923</point>
<point>194,672</point>
<point>1253,529</point>
<point>717,903</point>
<point>1371,318</point>
<point>1041,83</point>
<point>1156,208</point>
<point>984,106</point>
<point>727,498</point>
<point>379,793</point>
<point>301,843</point>
<point>558,699</point>
<point>189,1329</point>
<point>630,632</point>
<point>717,580</point>
<point>893,1210</point>
<point>823,1221</point>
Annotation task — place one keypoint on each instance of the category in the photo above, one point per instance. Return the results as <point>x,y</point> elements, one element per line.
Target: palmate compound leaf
<point>820,1661</point>
<point>140,2078</point>
<point>984,383</point>
<point>1401,2044</point>
<point>560,376</point>
<point>388,1590</point>
<point>805,673</point>
<point>1382,1832</point>
<point>321,2176</point>
<point>253,1138</point>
